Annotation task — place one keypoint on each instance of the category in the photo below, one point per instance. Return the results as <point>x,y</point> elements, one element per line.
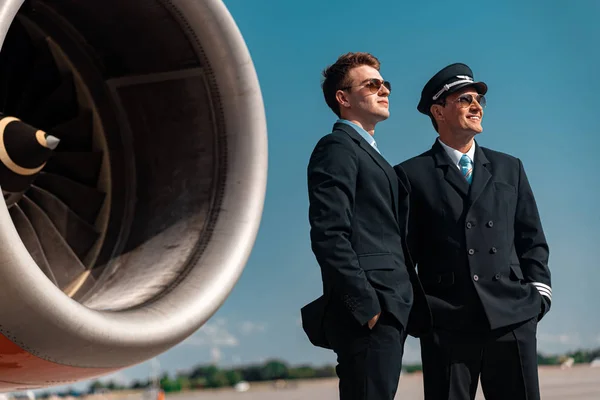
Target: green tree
<point>274,369</point>
<point>204,371</point>
<point>139,384</point>
<point>233,377</point>
<point>217,380</point>
<point>169,385</point>
<point>327,371</point>
<point>252,373</point>
<point>301,372</point>
<point>184,382</point>
<point>413,368</point>
<point>95,386</point>
<point>594,354</point>
<point>198,383</point>
<point>548,360</point>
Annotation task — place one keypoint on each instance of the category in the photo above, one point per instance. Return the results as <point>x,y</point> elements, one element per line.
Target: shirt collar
<point>360,130</point>
<point>455,155</point>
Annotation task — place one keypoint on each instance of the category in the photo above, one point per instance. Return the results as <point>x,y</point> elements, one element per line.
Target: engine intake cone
<point>24,151</point>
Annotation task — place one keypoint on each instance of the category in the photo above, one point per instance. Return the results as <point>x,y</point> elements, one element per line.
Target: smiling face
<point>366,98</point>
<point>461,113</point>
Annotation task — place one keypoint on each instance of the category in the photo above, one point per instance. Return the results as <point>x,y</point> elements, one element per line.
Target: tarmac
<point>581,382</point>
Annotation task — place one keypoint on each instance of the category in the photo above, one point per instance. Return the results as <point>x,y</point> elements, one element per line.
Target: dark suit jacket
<point>480,250</point>
<point>358,235</point>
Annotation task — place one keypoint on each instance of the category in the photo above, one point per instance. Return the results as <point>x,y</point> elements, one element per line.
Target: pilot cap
<point>448,80</point>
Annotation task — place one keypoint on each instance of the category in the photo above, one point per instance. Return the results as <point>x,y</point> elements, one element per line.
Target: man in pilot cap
<point>482,257</point>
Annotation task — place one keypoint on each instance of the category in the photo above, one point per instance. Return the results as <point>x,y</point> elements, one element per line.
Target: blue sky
<point>539,59</point>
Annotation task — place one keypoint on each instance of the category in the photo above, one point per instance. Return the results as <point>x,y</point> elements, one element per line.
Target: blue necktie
<point>374,145</point>
<point>466,166</point>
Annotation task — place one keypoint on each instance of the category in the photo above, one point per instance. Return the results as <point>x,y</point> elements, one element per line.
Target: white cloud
<point>249,327</point>
<point>213,334</point>
<point>215,353</point>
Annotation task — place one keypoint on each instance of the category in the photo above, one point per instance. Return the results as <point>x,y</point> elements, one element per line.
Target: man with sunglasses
<point>476,237</point>
<point>357,214</point>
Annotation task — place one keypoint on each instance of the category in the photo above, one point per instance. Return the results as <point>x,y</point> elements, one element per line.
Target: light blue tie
<point>466,166</point>
<point>374,145</point>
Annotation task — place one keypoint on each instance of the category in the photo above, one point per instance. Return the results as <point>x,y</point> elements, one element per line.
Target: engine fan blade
<point>78,234</point>
<point>60,105</point>
<point>82,167</point>
<point>85,201</point>
<point>65,265</point>
<point>74,134</point>
<point>14,70</point>
<point>43,79</point>
<point>31,240</point>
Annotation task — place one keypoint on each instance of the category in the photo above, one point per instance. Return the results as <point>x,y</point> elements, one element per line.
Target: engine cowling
<point>141,221</point>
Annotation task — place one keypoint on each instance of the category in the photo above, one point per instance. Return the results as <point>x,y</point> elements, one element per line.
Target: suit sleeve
<point>411,226</point>
<point>332,173</point>
<point>530,242</point>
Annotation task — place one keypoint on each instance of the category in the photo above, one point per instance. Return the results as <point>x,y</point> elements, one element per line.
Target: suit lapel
<point>481,175</point>
<point>451,174</point>
<point>378,158</point>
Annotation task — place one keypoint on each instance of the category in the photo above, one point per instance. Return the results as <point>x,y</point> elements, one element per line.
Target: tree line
<point>211,376</point>
<point>579,356</point>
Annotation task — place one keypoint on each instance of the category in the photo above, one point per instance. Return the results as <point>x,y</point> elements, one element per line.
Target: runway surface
<point>577,383</point>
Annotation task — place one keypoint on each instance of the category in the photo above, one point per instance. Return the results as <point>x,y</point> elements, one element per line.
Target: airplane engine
<point>148,186</point>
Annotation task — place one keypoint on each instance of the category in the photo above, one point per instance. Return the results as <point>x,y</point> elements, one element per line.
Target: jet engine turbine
<point>143,211</point>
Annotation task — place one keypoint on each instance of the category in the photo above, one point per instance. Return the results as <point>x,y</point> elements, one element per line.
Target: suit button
<point>490,223</point>
<point>493,250</point>
<point>471,252</point>
<point>497,277</point>
<point>475,278</point>
<point>469,225</point>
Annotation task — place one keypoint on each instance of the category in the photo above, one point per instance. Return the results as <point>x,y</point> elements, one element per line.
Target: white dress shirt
<point>455,155</point>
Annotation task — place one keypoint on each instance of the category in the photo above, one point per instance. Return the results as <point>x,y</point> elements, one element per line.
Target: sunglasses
<point>373,84</point>
<point>465,100</point>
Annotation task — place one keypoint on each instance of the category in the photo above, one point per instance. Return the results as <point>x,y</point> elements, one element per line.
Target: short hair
<point>442,102</point>
<point>336,75</point>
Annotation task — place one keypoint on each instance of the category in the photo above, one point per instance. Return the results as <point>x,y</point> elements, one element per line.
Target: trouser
<point>504,359</point>
<point>369,361</point>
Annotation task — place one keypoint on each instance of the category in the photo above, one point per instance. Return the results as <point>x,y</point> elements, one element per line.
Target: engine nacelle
<point>143,217</point>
